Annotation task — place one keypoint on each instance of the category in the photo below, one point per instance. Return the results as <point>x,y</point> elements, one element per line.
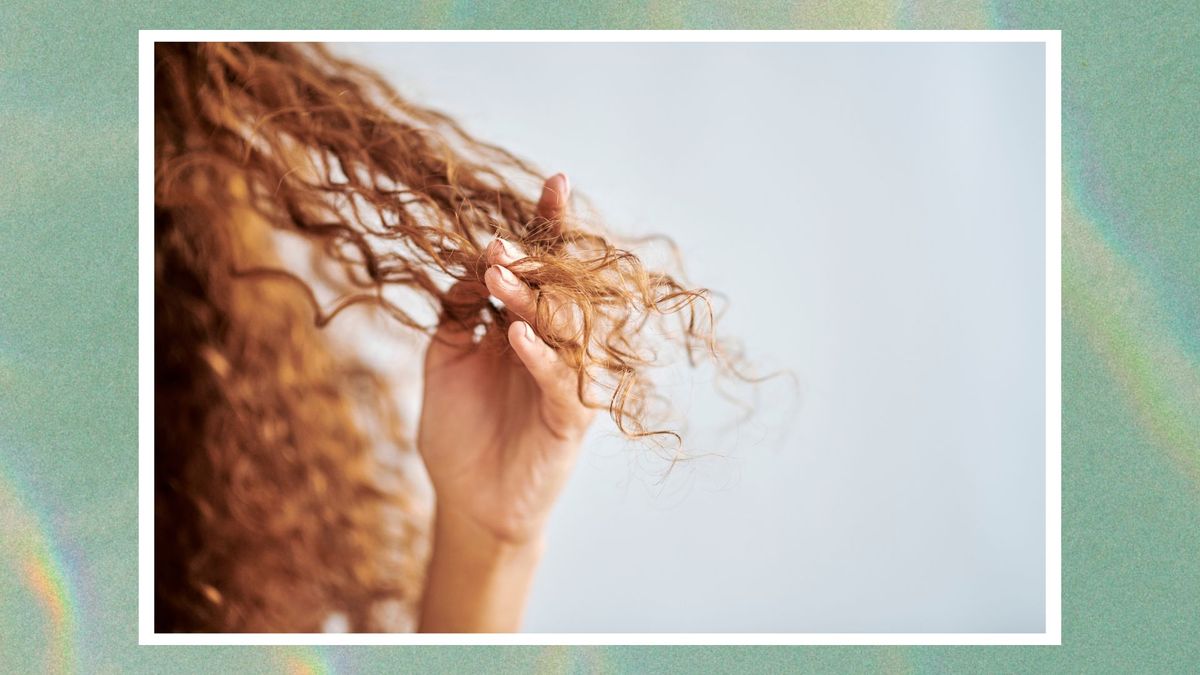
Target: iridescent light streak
<point>305,661</point>
<point>27,550</point>
<point>1120,315</point>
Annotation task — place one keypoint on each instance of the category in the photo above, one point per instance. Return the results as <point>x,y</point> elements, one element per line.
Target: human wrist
<point>465,535</point>
<point>477,581</point>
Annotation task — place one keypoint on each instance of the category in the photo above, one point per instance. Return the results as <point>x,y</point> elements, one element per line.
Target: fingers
<point>555,192</point>
<point>503,252</point>
<point>516,295</point>
<point>551,206</point>
<point>555,380</point>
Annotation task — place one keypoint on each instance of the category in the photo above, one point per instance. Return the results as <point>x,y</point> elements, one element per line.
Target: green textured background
<point>1131,335</point>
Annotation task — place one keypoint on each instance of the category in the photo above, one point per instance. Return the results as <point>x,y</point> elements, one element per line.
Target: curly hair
<point>271,510</point>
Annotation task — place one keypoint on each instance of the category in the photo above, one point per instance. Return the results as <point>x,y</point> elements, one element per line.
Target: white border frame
<point>1052,39</point>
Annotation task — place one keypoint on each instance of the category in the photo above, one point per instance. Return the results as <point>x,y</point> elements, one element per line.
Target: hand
<point>500,430</point>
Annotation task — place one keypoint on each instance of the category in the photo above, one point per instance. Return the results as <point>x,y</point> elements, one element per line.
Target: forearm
<point>476,582</point>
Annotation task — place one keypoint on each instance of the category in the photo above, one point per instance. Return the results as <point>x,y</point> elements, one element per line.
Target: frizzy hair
<point>253,425</point>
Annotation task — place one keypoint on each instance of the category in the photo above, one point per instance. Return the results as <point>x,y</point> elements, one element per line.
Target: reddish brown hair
<point>270,514</point>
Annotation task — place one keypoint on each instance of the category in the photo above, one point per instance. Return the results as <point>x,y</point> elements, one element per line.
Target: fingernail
<point>557,185</point>
<point>507,277</point>
<point>510,251</point>
<point>529,332</point>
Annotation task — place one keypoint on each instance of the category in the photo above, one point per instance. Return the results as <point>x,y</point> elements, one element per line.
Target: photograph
<point>685,337</point>
<point>601,340</point>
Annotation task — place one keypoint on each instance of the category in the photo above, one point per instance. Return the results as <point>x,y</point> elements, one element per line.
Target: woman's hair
<point>271,513</point>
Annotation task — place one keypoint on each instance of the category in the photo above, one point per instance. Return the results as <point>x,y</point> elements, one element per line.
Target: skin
<point>499,434</point>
